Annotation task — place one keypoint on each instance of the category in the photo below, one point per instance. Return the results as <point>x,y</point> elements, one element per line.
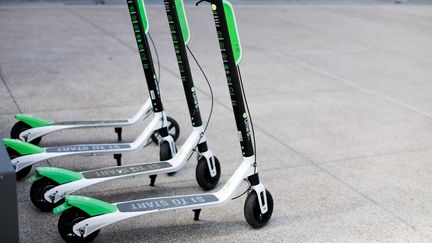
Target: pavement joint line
<point>311,161</point>
<point>3,79</point>
<point>118,39</point>
<point>352,39</point>
<point>359,87</point>
<point>93,108</point>
<point>372,201</point>
<point>372,47</point>
<point>352,188</point>
<point>80,16</point>
<point>49,163</point>
<point>426,149</point>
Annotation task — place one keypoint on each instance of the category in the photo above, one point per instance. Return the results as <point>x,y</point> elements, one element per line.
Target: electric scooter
<point>51,185</point>
<point>23,155</point>
<point>82,217</point>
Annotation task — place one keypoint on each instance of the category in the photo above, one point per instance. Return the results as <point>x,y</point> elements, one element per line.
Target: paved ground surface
<point>340,96</point>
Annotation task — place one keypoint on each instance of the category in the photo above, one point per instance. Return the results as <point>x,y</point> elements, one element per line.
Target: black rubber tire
<point>202,174</point>
<point>37,191</point>
<point>25,171</point>
<point>67,220</point>
<point>165,154</point>
<point>252,211</point>
<point>173,129</point>
<point>20,127</point>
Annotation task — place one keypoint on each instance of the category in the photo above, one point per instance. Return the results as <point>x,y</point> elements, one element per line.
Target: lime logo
<point>132,8</point>
<point>138,36</point>
<point>174,37</point>
<point>214,7</point>
<point>136,27</point>
<point>169,17</point>
<point>219,34</point>
<point>222,45</point>
<point>134,17</point>
<point>224,56</point>
<point>140,46</point>
<point>143,55</point>
<point>179,58</point>
<point>244,115</point>
<point>226,67</point>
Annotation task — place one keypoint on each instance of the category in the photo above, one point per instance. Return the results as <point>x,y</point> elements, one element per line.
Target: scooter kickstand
<point>118,130</point>
<point>152,180</point>
<point>118,157</point>
<point>196,214</point>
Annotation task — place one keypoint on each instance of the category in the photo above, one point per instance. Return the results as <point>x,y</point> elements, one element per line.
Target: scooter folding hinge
<point>262,197</point>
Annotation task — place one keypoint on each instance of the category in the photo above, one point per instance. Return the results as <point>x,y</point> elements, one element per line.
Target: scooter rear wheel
<point>24,171</point>
<point>20,127</point>
<point>37,194</point>
<point>202,174</point>
<point>173,129</point>
<point>252,210</point>
<point>66,222</point>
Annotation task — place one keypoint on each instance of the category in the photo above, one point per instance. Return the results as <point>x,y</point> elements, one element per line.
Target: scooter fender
<point>33,121</point>
<point>58,175</point>
<point>21,147</point>
<point>91,206</point>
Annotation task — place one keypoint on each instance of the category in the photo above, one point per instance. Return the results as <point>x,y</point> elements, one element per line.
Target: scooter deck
<point>97,122</point>
<point>87,148</point>
<point>165,203</point>
<point>124,170</point>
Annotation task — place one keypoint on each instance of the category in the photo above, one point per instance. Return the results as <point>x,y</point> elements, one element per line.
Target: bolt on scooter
<point>82,217</point>
<point>51,185</point>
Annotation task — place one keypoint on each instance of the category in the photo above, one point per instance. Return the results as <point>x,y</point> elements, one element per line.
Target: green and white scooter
<point>31,128</point>
<point>82,217</point>
<point>52,185</point>
<point>23,154</point>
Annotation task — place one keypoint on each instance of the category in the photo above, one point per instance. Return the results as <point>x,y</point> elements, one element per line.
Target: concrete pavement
<point>340,96</point>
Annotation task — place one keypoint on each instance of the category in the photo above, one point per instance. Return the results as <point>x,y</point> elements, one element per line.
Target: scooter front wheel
<point>37,194</point>
<point>173,129</point>
<point>24,171</point>
<point>20,127</point>
<point>252,210</point>
<point>202,174</point>
<point>66,222</point>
